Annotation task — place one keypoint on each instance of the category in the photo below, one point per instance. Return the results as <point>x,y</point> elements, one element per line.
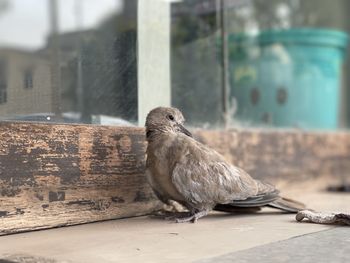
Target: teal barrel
<point>288,78</point>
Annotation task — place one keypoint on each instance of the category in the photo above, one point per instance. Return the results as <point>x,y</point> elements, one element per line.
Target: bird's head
<point>165,119</point>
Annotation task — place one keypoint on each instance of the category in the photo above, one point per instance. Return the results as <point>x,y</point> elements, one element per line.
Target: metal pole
<point>225,66</point>
<point>79,83</point>
<point>55,61</point>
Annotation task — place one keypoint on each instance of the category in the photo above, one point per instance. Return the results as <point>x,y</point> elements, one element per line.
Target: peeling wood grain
<point>58,175</point>
<point>289,156</point>
<point>55,175</point>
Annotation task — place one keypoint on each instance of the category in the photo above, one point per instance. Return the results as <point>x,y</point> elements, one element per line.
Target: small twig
<point>324,218</point>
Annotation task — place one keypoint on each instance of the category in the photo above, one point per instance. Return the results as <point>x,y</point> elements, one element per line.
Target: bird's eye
<point>171,117</point>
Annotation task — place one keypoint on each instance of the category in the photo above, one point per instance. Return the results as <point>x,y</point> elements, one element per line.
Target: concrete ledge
<point>144,239</point>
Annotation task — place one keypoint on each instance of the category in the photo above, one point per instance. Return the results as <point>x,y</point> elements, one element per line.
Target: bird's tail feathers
<point>287,205</point>
<point>257,200</point>
<point>253,204</point>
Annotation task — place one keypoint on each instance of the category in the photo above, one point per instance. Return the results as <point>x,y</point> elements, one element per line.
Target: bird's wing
<point>203,176</point>
<point>155,187</point>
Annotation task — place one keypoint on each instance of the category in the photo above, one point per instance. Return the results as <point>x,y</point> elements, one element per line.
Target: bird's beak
<point>184,130</point>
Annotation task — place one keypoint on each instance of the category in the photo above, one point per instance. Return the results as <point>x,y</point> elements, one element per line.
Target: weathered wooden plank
<point>55,175</point>
<point>287,156</point>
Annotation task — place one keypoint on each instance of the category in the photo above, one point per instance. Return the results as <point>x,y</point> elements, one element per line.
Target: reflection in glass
<point>291,53</point>
<point>68,61</point>
<point>196,67</point>
<point>223,63</point>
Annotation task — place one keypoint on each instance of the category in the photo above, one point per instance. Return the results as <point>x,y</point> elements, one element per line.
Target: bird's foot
<point>168,215</point>
<point>192,218</point>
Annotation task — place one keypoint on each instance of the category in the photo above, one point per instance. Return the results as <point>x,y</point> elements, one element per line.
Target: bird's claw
<point>167,215</point>
<point>192,218</point>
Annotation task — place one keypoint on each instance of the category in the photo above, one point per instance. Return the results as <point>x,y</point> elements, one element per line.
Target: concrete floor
<point>322,247</point>
<point>146,239</point>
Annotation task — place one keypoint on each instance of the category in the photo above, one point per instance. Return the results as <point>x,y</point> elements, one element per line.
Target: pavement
<point>268,236</point>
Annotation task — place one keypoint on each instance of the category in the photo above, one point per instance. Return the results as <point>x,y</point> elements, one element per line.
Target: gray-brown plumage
<point>182,169</point>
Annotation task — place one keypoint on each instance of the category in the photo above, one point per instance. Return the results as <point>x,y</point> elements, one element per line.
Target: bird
<point>179,168</point>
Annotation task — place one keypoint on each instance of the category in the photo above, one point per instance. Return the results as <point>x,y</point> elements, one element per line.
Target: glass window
<point>286,63</point>
<point>69,61</point>
<point>243,63</point>
<point>3,96</point>
<point>28,79</point>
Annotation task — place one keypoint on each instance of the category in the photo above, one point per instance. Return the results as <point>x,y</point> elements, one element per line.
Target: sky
<point>25,24</point>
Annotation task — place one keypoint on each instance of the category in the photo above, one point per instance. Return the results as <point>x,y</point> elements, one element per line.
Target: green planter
<point>288,78</point>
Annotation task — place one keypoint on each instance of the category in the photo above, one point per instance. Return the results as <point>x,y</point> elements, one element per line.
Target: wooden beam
<point>287,156</point>
<point>56,175</point>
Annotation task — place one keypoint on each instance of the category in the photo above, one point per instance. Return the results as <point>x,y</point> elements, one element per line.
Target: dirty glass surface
<point>239,63</point>
<point>288,61</point>
<point>68,61</point>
